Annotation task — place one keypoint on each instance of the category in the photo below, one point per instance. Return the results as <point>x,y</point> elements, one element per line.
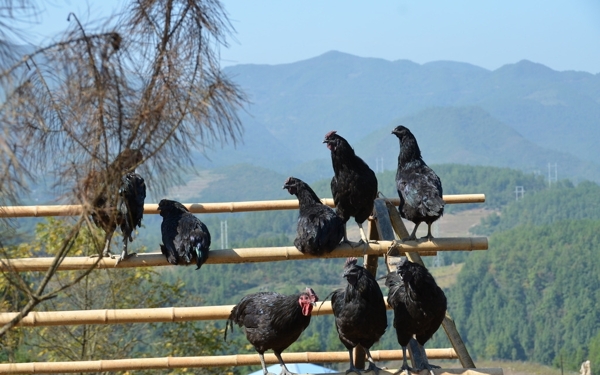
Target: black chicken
<point>360,313</point>
<point>273,321</point>
<point>419,306</point>
<point>354,185</point>
<point>184,236</point>
<point>120,186</point>
<point>419,188</point>
<point>320,229</point>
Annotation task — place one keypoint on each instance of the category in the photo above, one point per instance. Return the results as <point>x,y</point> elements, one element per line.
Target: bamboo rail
<point>206,208</point>
<point>124,316</point>
<point>206,361</point>
<point>255,254</point>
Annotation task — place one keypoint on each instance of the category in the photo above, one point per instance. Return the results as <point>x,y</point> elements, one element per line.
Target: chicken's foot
<point>412,236</point>
<point>124,256</point>
<point>105,252</point>
<point>405,367</point>
<point>372,366</point>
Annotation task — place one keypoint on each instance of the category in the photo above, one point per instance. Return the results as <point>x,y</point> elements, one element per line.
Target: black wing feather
<point>270,320</point>
<point>131,204</point>
<point>419,303</point>
<point>359,309</point>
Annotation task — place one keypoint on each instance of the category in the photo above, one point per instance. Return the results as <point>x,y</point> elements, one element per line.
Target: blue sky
<point>561,34</point>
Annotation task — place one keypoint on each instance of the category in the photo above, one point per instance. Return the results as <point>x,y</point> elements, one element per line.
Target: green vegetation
<point>498,184</point>
<point>115,289</point>
<point>563,201</point>
<point>533,295</point>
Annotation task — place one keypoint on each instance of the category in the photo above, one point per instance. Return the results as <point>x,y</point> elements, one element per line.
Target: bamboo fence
<point>125,316</point>
<point>221,256</point>
<point>253,255</point>
<point>204,361</point>
<point>206,208</point>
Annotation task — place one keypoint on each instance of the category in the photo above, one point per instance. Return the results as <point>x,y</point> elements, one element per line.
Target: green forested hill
<point>541,269</point>
<point>533,295</point>
<point>563,201</point>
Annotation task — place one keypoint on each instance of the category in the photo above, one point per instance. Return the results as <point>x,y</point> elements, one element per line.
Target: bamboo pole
<point>144,315</point>
<point>205,208</point>
<point>206,361</point>
<point>256,254</point>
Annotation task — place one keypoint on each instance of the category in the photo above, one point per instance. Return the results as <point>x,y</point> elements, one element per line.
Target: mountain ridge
<point>293,105</point>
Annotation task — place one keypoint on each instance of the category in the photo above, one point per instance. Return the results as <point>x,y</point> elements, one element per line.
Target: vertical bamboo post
<point>370,264</point>
<point>457,343</point>
<point>387,231</point>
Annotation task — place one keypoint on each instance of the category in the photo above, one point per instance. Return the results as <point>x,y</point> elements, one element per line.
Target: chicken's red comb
<point>350,262</point>
<point>330,134</point>
<point>312,295</point>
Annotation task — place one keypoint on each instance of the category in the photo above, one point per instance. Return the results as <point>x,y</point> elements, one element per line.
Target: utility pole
<point>224,235</point>
<point>552,173</point>
<point>519,192</point>
<point>378,165</point>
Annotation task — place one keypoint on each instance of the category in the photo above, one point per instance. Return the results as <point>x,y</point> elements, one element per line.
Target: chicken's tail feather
<point>325,299</point>
<point>229,323</point>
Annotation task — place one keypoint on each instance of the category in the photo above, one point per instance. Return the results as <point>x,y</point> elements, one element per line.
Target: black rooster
<point>320,229</point>
<point>273,321</point>
<point>354,185</point>
<point>184,236</point>
<point>118,186</point>
<point>419,188</point>
<point>359,310</point>
<point>419,306</point>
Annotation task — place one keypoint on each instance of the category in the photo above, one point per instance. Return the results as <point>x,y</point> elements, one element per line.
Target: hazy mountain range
<point>523,115</point>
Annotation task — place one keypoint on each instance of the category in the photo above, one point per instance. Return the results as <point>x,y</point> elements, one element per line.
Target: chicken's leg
<point>363,236</point>
<point>124,255</point>
<point>412,236</point>
<point>352,367</point>
<point>405,366</point>
<point>426,363</point>
<point>262,362</point>
<point>372,366</point>
<point>284,370</point>
<point>429,236</point>
<point>105,251</point>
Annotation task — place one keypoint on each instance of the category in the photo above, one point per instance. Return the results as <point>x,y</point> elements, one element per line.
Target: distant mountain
<point>470,135</point>
<point>531,115</point>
